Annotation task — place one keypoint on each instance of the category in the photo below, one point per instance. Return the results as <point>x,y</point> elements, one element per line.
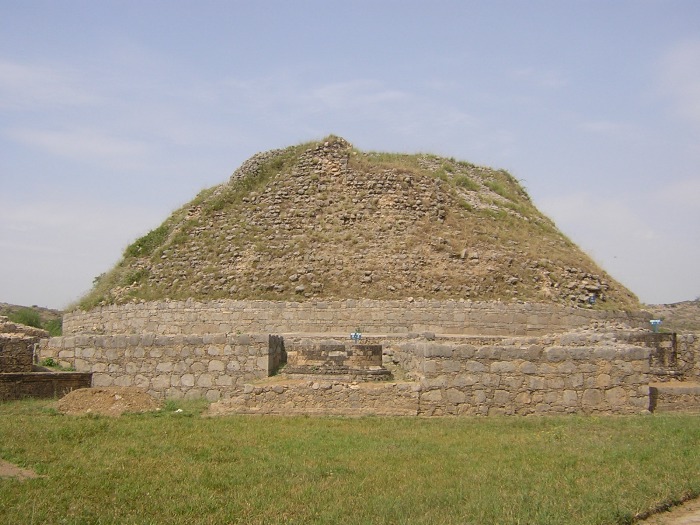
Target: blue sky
<point>115,113</point>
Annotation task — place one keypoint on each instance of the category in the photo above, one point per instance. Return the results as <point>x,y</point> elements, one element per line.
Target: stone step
<point>675,396</point>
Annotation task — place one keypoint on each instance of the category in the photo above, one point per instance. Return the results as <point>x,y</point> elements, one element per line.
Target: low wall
<point>16,353</point>
<point>169,366</point>
<point>448,317</point>
<point>41,384</point>
<point>675,397</point>
<point>587,372</point>
<point>474,376</point>
<point>529,377</point>
<point>324,398</point>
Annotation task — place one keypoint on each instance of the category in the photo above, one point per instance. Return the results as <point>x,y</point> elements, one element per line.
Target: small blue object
<point>356,336</point>
<point>655,324</point>
<point>591,299</point>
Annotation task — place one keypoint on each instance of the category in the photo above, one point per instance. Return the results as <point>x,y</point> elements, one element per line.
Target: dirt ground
<point>686,514</point>
<point>8,470</point>
<point>112,401</point>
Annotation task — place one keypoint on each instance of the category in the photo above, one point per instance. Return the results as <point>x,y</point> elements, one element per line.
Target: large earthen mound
<point>113,401</point>
<point>325,220</point>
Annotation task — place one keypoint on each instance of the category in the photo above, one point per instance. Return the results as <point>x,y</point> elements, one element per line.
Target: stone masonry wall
<point>16,353</point>
<point>335,398</point>
<point>688,356</point>
<point>474,376</point>
<point>189,366</point>
<point>386,317</point>
<point>40,384</point>
<point>17,346</point>
<point>535,376</point>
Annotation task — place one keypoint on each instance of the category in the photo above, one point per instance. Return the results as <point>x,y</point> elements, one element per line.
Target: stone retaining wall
<point>448,317</point>
<point>584,372</point>
<point>529,377</point>
<point>41,384</point>
<point>506,377</point>
<point>188,366</point>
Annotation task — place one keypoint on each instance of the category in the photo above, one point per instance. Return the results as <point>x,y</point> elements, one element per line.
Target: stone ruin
<point>468,300</point>
<point>420,358</point>
<point>20,376</point>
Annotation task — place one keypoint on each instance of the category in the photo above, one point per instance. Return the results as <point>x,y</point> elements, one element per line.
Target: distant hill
<point>36,316</point>
<point>325,220</point>
<point>678,317</point>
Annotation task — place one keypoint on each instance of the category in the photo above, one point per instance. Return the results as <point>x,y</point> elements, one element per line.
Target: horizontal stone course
<point>400,316</point>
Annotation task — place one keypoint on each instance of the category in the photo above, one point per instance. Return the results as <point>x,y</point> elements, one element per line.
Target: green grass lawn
<point>171,467</point>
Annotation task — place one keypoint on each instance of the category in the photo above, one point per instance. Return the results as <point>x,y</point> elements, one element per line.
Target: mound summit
<point>325,220</point>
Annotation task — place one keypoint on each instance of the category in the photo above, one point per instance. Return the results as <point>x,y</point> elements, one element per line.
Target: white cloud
<point>680,78</point>
<point>59,246</point>
<point>31,87</point>
<point>85,145</point>
<point>632,239</point>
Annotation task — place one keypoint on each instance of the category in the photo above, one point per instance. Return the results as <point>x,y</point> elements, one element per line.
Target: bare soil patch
<point>112,401</point>
<point>686,514</point>
<point>8,470</point>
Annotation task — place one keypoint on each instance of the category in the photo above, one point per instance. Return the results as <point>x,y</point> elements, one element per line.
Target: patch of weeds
<point>465,205</point>
<point>466,182</point>
<point>27,317</point>
<point>147,244</point>
<point>54,327</point>
<point>135,276</point>
<point>50,362</point>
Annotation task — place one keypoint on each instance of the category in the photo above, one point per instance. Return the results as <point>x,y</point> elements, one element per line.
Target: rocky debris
<point>112,401</point>
<point>16,330</point>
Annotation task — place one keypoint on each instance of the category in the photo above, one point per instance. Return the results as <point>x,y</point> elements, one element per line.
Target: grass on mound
<point>177,467</point>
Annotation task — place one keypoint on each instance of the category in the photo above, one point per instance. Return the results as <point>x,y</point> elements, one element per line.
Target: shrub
<point>27,317</point>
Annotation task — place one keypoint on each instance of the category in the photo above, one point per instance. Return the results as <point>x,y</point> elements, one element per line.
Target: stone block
<point>501,397</point>
<point>570,398</point>
<point>592,397</point>
<point>224,380</point>
<point>125,380</point>
<point>213,395</point>
<point>216,366</point>
<point>523,398</point>
<point>556,354</point>
<point>502,367</point>
<point>164,367</point>
<point>205,381</point>
<point>616,396</point>
<point>463,380</point>
<point>432,396</point>
<point>475,366</point>
<point>99,380</point>
<point>161,382</point>
<point>536,383</point>
<point>142,381</point>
